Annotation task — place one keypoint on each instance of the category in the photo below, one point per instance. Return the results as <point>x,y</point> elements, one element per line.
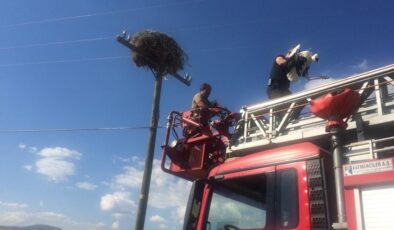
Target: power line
<point>96,14</point>
<point>76,129</point>
<point>112,37</point>
<point>122,57</point>
<point>57,43</point>
<point>65,61</point>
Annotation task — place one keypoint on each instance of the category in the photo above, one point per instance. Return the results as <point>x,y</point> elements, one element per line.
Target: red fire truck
<point>263,168</point>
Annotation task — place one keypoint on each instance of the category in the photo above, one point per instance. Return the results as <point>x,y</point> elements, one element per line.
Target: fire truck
<point>264,168</point>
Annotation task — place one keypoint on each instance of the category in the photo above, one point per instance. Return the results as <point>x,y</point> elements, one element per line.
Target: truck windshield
<point>239,204</point>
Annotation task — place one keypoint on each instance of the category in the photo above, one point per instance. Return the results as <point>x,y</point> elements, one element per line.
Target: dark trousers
<point>273,93</point>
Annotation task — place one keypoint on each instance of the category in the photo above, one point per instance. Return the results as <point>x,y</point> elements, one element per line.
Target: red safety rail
<point>202,143</point>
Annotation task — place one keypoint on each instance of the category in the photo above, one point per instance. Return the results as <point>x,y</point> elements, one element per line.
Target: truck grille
<point>317,204</point>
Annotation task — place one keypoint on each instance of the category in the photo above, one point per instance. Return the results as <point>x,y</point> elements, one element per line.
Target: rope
<point>307,103</point>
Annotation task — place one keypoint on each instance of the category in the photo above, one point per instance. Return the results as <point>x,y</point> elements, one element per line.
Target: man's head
<point>205,89</point>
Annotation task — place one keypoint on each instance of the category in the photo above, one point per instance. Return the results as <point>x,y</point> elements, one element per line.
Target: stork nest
<point>157,51</point>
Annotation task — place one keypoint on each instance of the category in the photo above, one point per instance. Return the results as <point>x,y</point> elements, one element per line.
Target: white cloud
<point>117,203</point>
<point>131,178</point>
<point>167,192</point>
<point>101,225</point>
<point>55,169</point>
<point>179,214</point>
<point>86,185</point>
<point>31,149</point>
<point>55,163</point>
<point>121,159</point>
<point>175,189</point>
<point>59,153</point>
<point>28,167</point>
<point>117,216</point>
<point>12,206</point>
<point>363,65</point>
<point>115,225</point>
<point>156,219</point>
<point>138,161</point>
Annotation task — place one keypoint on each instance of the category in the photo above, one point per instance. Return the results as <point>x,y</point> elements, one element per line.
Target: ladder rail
<point>382,72</point>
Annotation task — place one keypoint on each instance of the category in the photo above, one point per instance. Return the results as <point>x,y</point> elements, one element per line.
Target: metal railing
<point>273,121</point>
<point>370,149</point>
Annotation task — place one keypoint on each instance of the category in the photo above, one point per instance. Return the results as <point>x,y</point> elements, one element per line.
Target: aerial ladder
<point>261,127</point>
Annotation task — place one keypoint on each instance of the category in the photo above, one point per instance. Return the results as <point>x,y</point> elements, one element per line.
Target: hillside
<point>32,227</point>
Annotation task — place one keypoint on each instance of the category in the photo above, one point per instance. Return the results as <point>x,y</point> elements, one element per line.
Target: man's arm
<point>280,60</point>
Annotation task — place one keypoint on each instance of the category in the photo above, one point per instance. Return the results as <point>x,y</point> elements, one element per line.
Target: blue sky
<point>61,68</point>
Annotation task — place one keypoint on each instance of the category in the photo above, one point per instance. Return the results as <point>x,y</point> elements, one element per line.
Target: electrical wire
<point>97,14</point>
<point>77,129</point>
<point>113,57</point>
<point>66,61</point>
<point>57,43</point>
<point>105,58</point>
<point>120,57</point>
<point>112,37</point>
<point>143,127</point>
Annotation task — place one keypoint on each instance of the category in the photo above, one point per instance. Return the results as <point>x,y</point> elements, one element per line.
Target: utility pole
<point>141,213</point>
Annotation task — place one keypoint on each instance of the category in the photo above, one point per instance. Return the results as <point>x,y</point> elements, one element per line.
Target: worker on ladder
<point>279,83</point>
<point>287,68</point>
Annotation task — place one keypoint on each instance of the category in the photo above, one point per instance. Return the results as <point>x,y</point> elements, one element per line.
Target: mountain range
<point>32,227</point>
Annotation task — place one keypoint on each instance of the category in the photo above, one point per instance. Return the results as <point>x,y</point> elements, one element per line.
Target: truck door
<point>292,202</point>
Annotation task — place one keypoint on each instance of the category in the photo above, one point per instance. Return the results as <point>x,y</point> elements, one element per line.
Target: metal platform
<point>270,123</point>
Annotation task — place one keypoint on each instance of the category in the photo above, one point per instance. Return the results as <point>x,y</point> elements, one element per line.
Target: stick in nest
<point>157,51</point>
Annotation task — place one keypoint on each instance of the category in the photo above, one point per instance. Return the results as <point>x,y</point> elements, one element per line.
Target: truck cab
<point>265,190</point>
